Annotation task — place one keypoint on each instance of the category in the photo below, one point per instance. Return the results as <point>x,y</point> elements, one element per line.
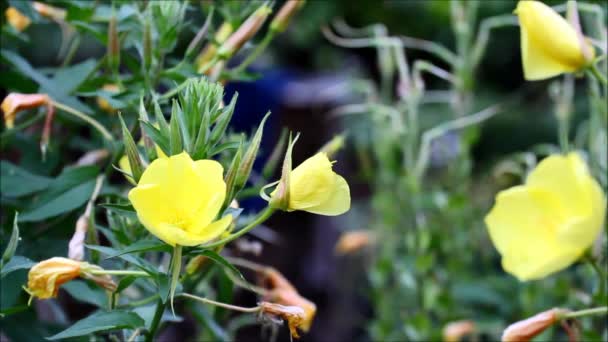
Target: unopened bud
<point>354,241</point>
<point>525,330</point>
<point>17,19</point>
<point>113,44</point>
<point>455,331</point>
<point>210,50</point>
<point>147,45</point>
<point>249,158</point>
<point>280,197</point>
<point>244,33</point>
<point>333,146</point>
<point>48,11</point>
<point>196,263</point>
<point>281,21</point>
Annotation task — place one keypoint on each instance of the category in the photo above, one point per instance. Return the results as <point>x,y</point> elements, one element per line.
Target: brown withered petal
<point>292,314</point>
<point>292,298</point>
<point>525,330</point>
<point>45,278</point>
<point>455,331</point>
<point>48,11</point>
<point>353,241</point>
<point>16,102</point>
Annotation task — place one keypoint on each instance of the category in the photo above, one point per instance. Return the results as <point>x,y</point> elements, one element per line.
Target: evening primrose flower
<point>177,200</point>
<point>45,278</point>
<point>550,45</point>
<point>16,19</point>
<point>316,188</point>
<point>124,165</point>
<point>546,224</point>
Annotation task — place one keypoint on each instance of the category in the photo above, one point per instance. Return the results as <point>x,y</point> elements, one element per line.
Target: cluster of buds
<point>45,278</point>
<point>282,292</point>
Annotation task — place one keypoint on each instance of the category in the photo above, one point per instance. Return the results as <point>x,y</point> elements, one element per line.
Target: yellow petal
<point>124,165</point>
<point>311,183</point>
<point>16,19</point>
<point>522,225</point>
<point>213,230</point>
<point>150,204</point>
<point>338,202</point>
<point>549,44</point>
<point>213,191</point>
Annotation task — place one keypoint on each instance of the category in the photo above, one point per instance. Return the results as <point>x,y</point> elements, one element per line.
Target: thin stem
<point>598,74</point>
<point>160,308</point>
<point>263,216</point>
<point>259,49</point>
<point>602,310</point>
<point>176,266</point>
<point>141,302</point>
<point>600,274</point>
<point>120,272</point>
<point>220,304</point>
<point>84,117</point>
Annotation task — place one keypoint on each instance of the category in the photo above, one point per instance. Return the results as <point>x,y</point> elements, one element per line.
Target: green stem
<point>600,274</point>
<point>176,266</point>
<point>256,53</point>
<point>602,310</point>
<point>220,304</point>
<point>598,74</point>
<point>121,272</point>
<point>141,301</point>
<point>86,118</point>
<point>160,308</point>
<point>263,216</point>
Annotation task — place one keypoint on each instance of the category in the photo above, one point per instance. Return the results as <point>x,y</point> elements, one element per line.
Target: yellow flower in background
<point>550,45</point>
<point>105,104</point>
<point>177,199</point>
<point>545,225</point>
<point>316,188</point>
<point>45,278</point>
<point>16,19</point>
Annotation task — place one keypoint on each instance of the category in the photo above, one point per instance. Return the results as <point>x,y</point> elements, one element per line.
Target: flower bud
<point>246,164</point>
<point>16,102</point>
<point>45,278</point>
<point>292,314</point>
<point>525,330</point>
<point>244,33</point>
<point>333,146</point>
<point>102,102</point>
<point>281,21</point>
<point>17,19</point>
<point>210,50</point>
<point>113,44</point>
<point>49,11</point>
<point>455,331</point>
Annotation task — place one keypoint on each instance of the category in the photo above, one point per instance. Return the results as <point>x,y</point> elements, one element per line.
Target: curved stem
<point>120,272</point>
<point>598,74</point>
<point>220,304</point>
<point>263,216</point>
<point>84,117</point>
<point>602,310</point>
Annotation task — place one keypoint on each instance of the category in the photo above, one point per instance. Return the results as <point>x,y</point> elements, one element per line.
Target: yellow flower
<point>549,44</point>
<point>105,104</point>
<point>45,278</point>
<point>177,200</point>
<point>124,165</point>
<point>316,188</point>
<point>545,225</point>
<point>16,19</point>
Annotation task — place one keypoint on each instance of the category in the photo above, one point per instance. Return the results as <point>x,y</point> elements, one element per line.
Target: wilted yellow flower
<point>294,315</point>
<point>45,278</point>
<point>177,199</point>
<point>316,188</point>
<point>16,102</point>
<point>549,44</point>
<point>103,103</point>
<point>16,19</point>
<point>545,225</point>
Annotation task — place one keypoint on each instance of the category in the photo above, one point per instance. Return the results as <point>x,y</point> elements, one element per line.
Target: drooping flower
<point>45,278</point>
<point>177,199</point>
<point>546,224</point>
<point>527,329</point>
<point>550,45</point>
<point>316,188</point>
<point>17,19</point>
<point>16,102</point>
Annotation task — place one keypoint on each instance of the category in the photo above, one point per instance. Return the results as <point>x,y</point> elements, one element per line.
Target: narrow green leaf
<point>64,202</point>
<point>250,156</point>
<point>119,208</point>
<point>200,145</point>
<point>220,260</point>
<point>176,137</point>
<point>231,176</point>
<point>17,182</point>
<point>157,136</point>
<point>101,321</point>
<point>12,242</point>
<point>223,121</point>
<point>142,246</point>
<point>132,259</point>
<point>16,263</point>
<point>161,121</point>
<point>86,292</point>
<point>135,162</point>
<point>275,156</point>
<point>178,112</point>
<point>124,283</point>
<point>231,145</point>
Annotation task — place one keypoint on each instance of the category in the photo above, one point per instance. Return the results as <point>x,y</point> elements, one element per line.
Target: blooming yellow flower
<point>177,200</point>
<point>16,19</point>
<point>45,278</point>
<point>316,188</point>
<point>549,44</point>
<point>124,165</point>
<point>545,225</point>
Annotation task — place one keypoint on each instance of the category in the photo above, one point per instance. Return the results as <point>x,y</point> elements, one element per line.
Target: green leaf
<point>143,246</point>
<point>219,259</point>
<point>63,203</point>
<point>160,119</point>
<point>11,247</point>
<point>177,111</point>
<point>132,259</point>
<point>16,263</point>
<point>135,162</point>
<point>101,321</point>
<point>16,182</point>
<point>125,282</point>
<point>69,79</point>
<point>164,286</point>
<point>176,136</point>
<point>232,145</point>
<point>157,136</point>
<point>250,156</point>
<point>223,121</point>
<point>124,209</point>
<point>86,292</point>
